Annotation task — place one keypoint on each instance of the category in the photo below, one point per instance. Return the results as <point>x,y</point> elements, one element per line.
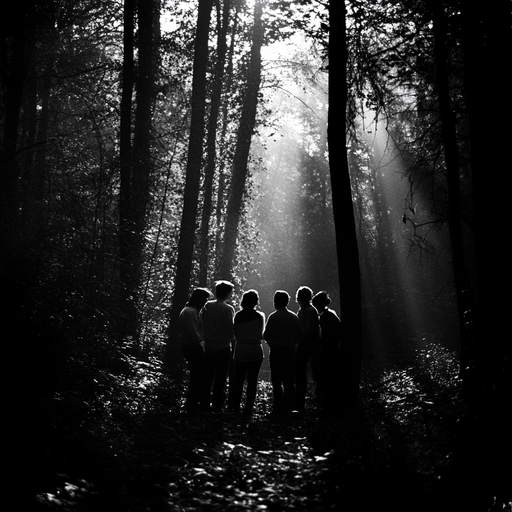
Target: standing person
<point>283,333</point>
<point>308,349</point>
<point>330,338</point>
<point>248,328</point>
<point>217,318</point>
<point>189,325</point>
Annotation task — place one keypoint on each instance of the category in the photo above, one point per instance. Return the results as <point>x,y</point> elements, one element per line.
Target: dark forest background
<point>150,146</point>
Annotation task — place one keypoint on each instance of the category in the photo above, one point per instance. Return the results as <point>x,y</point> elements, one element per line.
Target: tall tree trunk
<point>148,25</point>
<point>449,137</point>
<point>344,219</point>
<point>126,227</point>
<point>243,146</point>
<point>211,146</point>
<point>173,357</point>
<point>487,36</point>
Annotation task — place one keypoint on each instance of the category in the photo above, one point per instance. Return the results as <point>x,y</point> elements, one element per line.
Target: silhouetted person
<point>248,327</point>
<point>308,349</point>
<point>217,319</point>
<point>329,365</point>
<point>283,333</point>
<point>191,336</point>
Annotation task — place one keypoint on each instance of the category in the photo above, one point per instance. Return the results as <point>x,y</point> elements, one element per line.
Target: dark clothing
<point>194,355</point>
<point>217,318</point>
<point>307,351</point>
<point>248,329</point>
<point>190,328</point>
<point>246,370</point>
<point>330,367</point>
<point>282,361</point>
<point>283,333</point>
<point>283,329</point>
<point>216,366</point>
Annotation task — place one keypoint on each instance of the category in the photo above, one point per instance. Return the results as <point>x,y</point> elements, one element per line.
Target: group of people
<point>222,346</point>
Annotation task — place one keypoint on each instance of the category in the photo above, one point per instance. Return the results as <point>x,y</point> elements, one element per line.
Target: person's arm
<point>191,328</point>
<point>268,332</point>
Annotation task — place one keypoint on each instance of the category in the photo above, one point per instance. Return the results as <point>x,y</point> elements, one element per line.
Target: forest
<point>149,147</point>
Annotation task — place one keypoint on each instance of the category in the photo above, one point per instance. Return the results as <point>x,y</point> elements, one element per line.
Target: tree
<point>345,226</point>
<point>243,145</point>
<point>127,277</point>
<point>486,34</point>
<point>211,146</point>
<point>186,242</point>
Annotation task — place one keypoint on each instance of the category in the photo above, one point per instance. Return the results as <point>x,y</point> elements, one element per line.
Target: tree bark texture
<point>135,147</point>
<point>486,42</point>
<point>193,174</point>
<point>241,156</point>
<point>344,219</point>
<point>211,147</point>
<point>449,138</point>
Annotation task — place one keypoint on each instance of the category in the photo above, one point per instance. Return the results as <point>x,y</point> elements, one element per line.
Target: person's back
<point>217,318</point>
<point>283,333</point>
<point>248,329</point>
<point>283,328</point>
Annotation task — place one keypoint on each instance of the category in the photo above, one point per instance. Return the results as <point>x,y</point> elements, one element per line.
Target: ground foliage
<point>119,440</point>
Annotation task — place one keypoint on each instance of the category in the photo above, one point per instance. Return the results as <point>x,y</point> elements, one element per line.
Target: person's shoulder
<point>332,313</point>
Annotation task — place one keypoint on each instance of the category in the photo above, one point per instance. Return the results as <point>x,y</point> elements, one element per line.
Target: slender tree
<point>344,219</point>
<point>173,357</point>
<point>211,147</point>
<point>243,145</point>
<point>449,137</point>
<point>126,227</point>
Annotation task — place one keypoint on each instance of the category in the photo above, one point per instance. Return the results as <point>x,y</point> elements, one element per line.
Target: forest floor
<point>411,444</point>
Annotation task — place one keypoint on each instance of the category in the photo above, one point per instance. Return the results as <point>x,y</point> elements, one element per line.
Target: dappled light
<point>252,256</point>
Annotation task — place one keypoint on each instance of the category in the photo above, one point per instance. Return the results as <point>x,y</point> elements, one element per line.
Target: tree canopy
<point>148,147</point>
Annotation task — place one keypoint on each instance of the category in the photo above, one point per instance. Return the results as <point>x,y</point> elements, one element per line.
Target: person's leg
<point>194,355</point>
<point>276,379</point>
<point>290,393</point>
<point>222,359</point>
<point>253,370</point>
<point>240,372</point>
<point>209,374</point>
<point>301,376</point>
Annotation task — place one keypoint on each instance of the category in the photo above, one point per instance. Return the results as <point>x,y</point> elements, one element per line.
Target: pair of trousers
<point>194,355</point>
<point>305,353</point>
<point>245,370</point>
<point>216,373</point>
<point>281,361</point>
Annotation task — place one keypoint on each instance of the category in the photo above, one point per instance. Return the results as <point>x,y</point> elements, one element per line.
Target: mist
<point>406,277</point>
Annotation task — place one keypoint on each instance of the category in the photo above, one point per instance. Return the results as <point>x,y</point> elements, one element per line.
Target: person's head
<point>321,300</point>
<point>281,299</point>
<point>223,289</point>
<point>250,299</point>
<point>304,295</point>
<point>198,298</point>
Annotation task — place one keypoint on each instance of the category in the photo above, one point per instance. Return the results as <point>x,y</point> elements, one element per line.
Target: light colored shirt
<point>217,319</point>
<point>189,325</point>
<point>248,329</point>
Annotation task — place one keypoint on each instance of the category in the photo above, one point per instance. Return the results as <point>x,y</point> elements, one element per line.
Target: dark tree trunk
<point>136,163</point>
<point>211,146</point>
<point>243,146</point>
<point>128,309</point>
<point>344,219</point>
<point>449,137</point>
<point>173,357</point>
<point>147,68</point>
<point>487,37</point>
